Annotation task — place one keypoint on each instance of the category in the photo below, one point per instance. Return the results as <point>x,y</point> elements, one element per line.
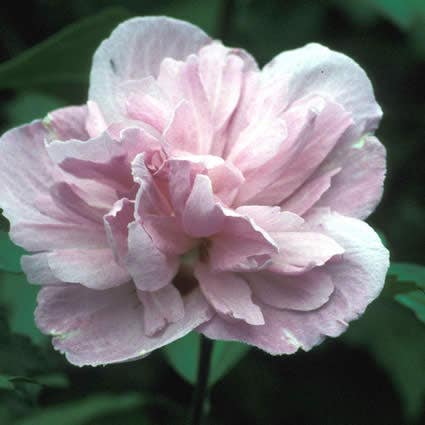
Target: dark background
<point>375,374</point>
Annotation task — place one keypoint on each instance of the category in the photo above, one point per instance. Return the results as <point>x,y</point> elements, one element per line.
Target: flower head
<point>195,191</point>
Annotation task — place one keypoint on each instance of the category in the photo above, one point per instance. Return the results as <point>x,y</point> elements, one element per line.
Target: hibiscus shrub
<point>197,192</point>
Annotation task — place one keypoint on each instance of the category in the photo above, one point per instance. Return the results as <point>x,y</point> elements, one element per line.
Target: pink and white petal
<point>149,198</point>
<point>26,176</point>
<point>317,69</point>
<point>150,268</point>
<point>145,101</point>
<point>358,277</point>
<point>241,245</point>
<point>67,123</point>
<point>306,292</point>
<point>93,268</point>
<point>135,50</point>
<point>161,308</point>
<point>222,76</point>
<point>258,143</point>
<point>357,189</point>
<point>168,234</point>
<point>310,192</point>
<point>229,294</point>
<point>37,269</point>
<point>101,327</point>
<point>226,180</point>
<point>116,226</point>
<point>202,215</point>
<point>95,122</point>
<point>272,219</point>
<point>301,251</point>
<point>181,134</point>
<point>308,144</point>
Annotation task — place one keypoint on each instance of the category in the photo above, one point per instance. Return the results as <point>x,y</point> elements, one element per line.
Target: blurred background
<point>375,373</point>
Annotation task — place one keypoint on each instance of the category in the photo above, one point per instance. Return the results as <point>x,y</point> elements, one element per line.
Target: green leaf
<point>28,106</point>
<point>10,254</point>
<point>83,412</point>
<point>225,356</point>
<point>408,272</point>
<point>401,12</point>
<point>414,300</point>
<point>20,298</point>
<point>63,58</point>
<point>183,356</point>
<point>396,340</point>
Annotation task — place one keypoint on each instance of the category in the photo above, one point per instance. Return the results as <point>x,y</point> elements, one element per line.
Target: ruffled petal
<point>317,69</point>
<point>100,327</point>
<point>150,268</point>
<point>94,268</point>
<point>134,51</point>
<point>229,294</point>
<point>161,308</point>
<point>358,278</point>
<point>357,189</point>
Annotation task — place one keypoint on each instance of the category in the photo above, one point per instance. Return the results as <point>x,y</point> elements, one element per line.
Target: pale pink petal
<point>149,198</point>
<point>272,219</point>
<point>150,268</point>
<point>307,146</point>
<point>93,268</point>
<point>358,278</point>
<point>301,251</point>
<point>258,143</point>
<point>146,102</point>
<point>310,192</point>
<point>37,269</point>
<point>202,216</point>
<point>229,294</point>
<point>161,308</point>
<point>67,123</point>
<point>26,176</point>
<point>95,122</point>
<point>222,74</point>
<point>135,50</point>
<point>116,226</point>
<point>181,134</point>
<point>357,189</point>
<point>168,234</point>
<point>241,245</point>
<point>306,292</point>
<point>317,69</point>
<point>99,327</point>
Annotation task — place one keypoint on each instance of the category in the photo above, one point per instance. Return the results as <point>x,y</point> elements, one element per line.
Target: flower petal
<point>135,50</point>
<point>149,267</point>
<point>100,327</point>
<point>308,291</point>
<point>357,188</point>
<point>160,308</point>
<point>317,69</point>
<point>93,268</point>
<point>358,278</point>
<point>229,294</point>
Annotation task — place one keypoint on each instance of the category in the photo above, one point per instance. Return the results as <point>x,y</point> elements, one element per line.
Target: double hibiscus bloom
<point>197,192</point>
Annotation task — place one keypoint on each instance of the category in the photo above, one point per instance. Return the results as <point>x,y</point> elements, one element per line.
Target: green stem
<point>201,389</point>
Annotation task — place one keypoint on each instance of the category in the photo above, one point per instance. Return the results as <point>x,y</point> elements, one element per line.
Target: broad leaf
<point>63,58</point>
<point>84,411</point>
<point>10,254</point>
<point>183,356</point>
<point>396,339</point>
<point>20,298</point>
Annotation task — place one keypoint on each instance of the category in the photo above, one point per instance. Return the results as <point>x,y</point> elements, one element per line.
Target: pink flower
<point>197,192</point>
